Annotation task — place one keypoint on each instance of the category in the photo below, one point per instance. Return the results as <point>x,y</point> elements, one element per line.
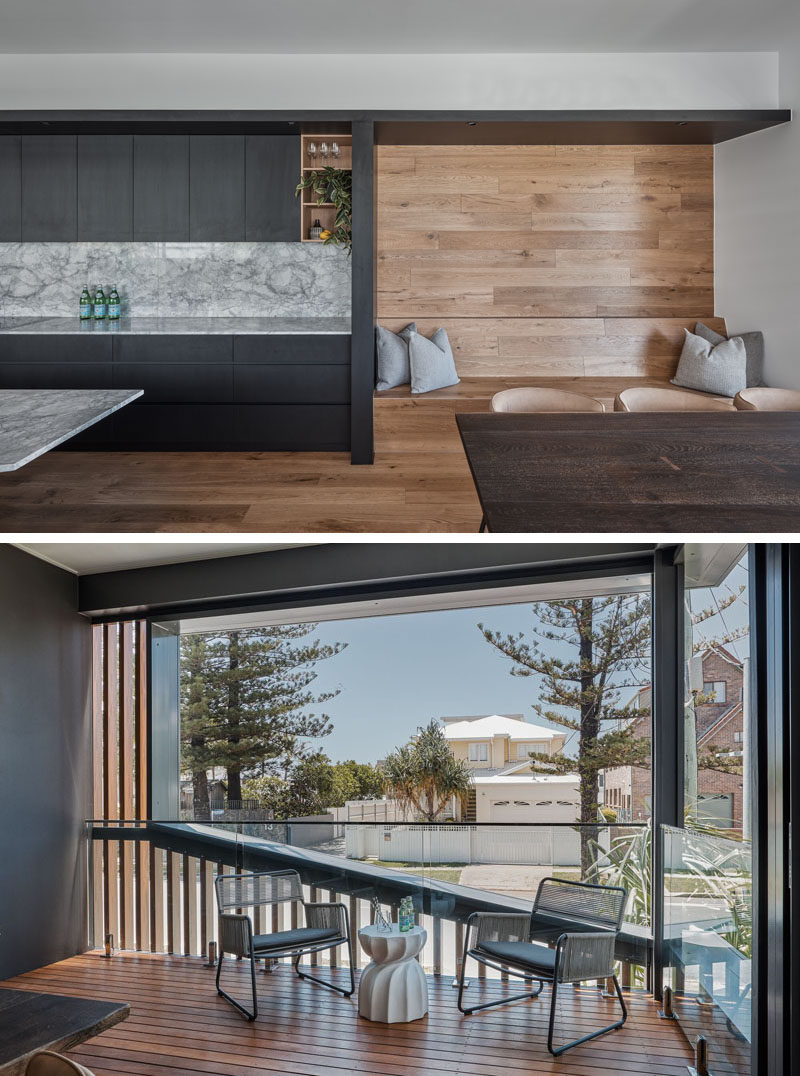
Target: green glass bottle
<point>113,305</point>
<point>85,305</point>
<point>99,304</point>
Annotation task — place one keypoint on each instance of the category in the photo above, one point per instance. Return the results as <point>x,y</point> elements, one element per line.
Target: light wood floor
<point>420,481</point>
<point>178,1025</point>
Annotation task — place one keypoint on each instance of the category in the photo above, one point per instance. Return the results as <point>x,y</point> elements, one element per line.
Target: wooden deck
<point>178,1025</point>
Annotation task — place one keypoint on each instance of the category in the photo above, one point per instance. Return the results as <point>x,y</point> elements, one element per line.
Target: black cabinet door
<point>292,427</point>
<point>10,189</point>
<point>292,384</point>
<point>216,188</point>
<point>105,188</point>
<point>172,349</point>
<point>49,188</point>
<point>53,375</point>
<point>321,348</point>
<point>176,382</point>
<point>273,172</point>
<point>78,348</point>
<point>160,188</point>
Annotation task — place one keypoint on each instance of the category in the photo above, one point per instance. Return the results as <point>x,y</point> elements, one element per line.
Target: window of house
<point>716,690</point>
<point>479,752</point>
<point>524,750</point>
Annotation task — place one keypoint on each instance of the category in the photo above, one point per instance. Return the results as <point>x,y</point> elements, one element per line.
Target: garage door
<point>512,811</point>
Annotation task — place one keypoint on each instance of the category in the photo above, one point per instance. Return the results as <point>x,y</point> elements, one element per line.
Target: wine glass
<point>334,149</point>
<point>312,151</point>
<point>323,150</point>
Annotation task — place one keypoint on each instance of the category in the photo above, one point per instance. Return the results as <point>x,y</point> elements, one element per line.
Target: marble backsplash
<point>177,279</point>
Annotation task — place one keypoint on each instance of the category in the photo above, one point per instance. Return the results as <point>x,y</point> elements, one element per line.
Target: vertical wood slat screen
<point>121,891</point>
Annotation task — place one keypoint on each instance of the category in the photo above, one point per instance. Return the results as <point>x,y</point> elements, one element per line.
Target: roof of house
<point>485,728</point>
<point>527,778</point>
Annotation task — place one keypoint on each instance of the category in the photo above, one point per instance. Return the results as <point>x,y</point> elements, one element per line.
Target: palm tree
<point>424,775</point>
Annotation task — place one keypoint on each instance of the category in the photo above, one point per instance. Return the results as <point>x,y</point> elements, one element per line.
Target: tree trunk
<point>201,804</point>
<point>234,769</point>
<point>590,728</point>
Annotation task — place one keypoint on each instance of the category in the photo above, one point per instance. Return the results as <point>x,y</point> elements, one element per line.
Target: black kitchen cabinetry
<point>216,188</point>
<point>105,188</point>
<point>251,393</point>
<point>10,188</point>
<point>49,188</point>
<point>160,188</point>
<point>149,188</point>
<point>272,173</point>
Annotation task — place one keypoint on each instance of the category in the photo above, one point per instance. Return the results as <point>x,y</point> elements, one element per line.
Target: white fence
<point>557,846</point>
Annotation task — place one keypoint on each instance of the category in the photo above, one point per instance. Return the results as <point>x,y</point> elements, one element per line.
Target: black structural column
<point>667,732</point>
<point>773,570</point>
<point>362,370</point>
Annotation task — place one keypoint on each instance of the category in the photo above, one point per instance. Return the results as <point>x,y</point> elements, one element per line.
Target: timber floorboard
<point>179,1027</point>
<point>417,491</point>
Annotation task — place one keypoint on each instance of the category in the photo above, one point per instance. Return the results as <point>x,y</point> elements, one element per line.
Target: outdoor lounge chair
<point>327,926</point>
<point>582,920</point>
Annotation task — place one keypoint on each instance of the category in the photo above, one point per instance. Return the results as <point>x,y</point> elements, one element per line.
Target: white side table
<point>393,988</point>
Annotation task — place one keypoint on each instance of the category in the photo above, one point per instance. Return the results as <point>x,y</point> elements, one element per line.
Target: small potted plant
<point>333,186</point>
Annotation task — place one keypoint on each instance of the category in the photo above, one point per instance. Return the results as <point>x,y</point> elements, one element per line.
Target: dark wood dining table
<point>736,471</point>
<point>30,1022</point>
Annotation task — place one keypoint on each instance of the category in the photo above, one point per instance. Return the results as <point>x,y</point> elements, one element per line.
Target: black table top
<point>660,471</point>
<point>30,1022</point>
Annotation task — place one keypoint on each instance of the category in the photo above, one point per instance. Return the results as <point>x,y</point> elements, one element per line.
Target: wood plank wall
<point>548,260</point>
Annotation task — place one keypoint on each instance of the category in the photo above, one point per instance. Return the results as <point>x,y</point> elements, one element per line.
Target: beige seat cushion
<point>764,399</point>
<point>652,398</point>
<point>542,399</point>
<point>47,1063</point>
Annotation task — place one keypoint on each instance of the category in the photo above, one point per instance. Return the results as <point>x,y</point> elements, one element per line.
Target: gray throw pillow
<point>753,345</point>
<point>719,369</point>
<point>432,364</point>
<point>393,363</point>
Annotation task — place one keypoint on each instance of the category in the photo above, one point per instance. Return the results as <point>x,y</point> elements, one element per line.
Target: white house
<point>497,747</point>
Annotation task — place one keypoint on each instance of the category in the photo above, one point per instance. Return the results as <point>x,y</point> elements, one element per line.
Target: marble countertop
<point>32,421</point>
<point>182,326</point>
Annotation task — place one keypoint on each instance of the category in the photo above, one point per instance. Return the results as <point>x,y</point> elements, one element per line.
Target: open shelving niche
<point>325,212</point>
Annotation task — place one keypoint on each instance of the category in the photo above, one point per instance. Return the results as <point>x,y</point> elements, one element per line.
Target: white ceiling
<point>83,558</point>
<point>392,26</point>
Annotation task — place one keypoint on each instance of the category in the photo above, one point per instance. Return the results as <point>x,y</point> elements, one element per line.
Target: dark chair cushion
<point>288,939</point>
<point>535,957</point>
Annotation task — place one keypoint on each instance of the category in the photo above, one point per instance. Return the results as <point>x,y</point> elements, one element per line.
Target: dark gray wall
<point>45,763</point>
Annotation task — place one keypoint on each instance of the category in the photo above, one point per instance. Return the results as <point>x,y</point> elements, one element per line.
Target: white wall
<point>546,80</point>
<point>758,228</point>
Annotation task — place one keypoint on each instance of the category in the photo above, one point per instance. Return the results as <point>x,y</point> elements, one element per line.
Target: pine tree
<point>246,699</point>
<point>607,644</point>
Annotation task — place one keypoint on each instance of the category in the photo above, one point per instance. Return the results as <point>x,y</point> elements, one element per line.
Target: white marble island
<point>32,421</point>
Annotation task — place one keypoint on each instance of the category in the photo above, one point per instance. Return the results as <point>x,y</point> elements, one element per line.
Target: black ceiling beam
<point>414,126</point>
<point>337,572</point>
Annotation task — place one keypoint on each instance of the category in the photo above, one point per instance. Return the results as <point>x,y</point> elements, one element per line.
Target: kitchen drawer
<point>35,347</point>
<point>175,382</point>
<point>292,427</point>
<point>292,384</point>
<point>292,349</point>
<point>45,375</point>
<point>166,349</point>
<point>172,426</point>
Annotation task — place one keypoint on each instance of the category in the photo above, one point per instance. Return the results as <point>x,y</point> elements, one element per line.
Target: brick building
<point>719,718</point>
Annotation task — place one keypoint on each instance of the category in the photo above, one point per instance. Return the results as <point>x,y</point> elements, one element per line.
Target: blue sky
<point>398,672</point>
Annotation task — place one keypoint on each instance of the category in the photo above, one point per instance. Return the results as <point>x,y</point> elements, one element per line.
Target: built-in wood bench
<point>426,423</point>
